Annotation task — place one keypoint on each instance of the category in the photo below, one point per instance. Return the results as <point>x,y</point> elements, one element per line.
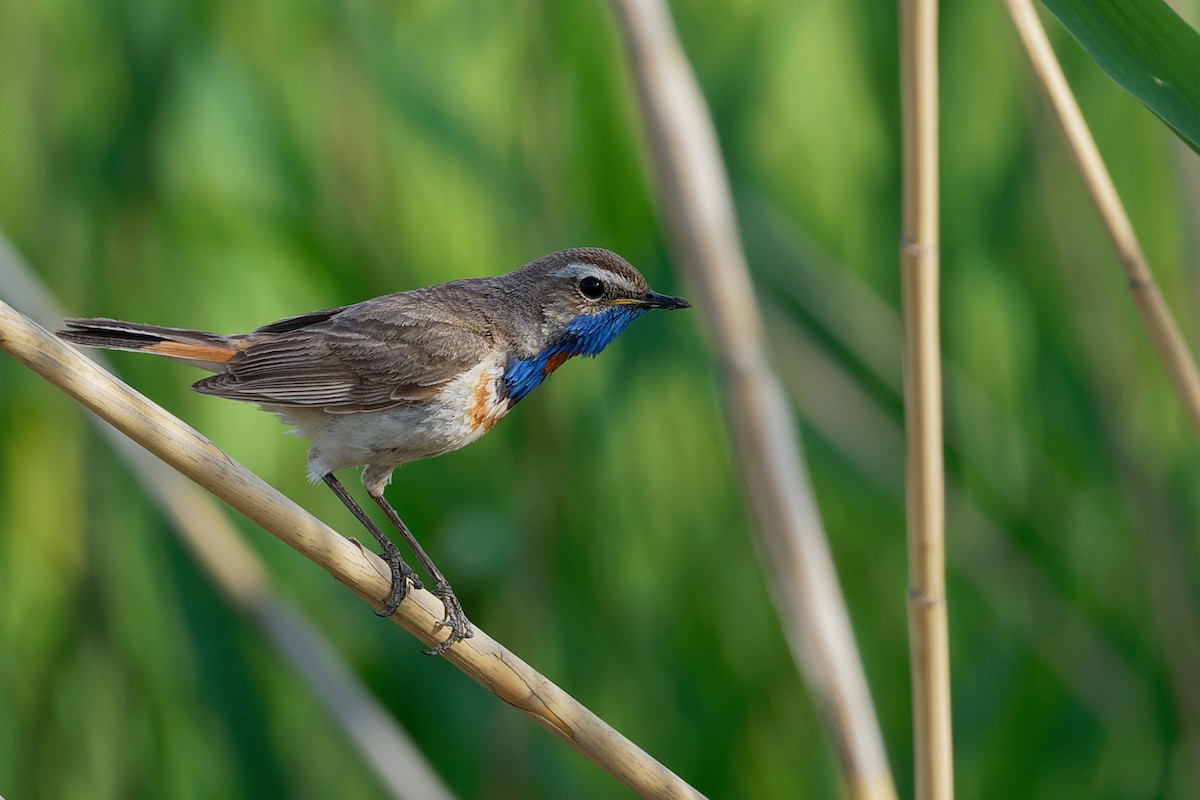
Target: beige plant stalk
<point>694,197</point>
<point>928,631</point>
<point>481,657</point>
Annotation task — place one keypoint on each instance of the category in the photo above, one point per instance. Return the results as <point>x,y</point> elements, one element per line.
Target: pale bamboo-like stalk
<point>694,194</point>
<point>481,657</point>
<point>928,632</point>
<point>1164,333</point>
<point>239,574</point>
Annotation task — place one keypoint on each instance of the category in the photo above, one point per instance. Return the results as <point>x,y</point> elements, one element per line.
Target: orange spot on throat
<point>554,362</point>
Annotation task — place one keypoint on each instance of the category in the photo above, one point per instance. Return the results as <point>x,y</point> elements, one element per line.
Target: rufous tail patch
<point>192,352</point>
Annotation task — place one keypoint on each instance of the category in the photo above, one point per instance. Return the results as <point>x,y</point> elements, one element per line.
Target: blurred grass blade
<point>1148,49</point>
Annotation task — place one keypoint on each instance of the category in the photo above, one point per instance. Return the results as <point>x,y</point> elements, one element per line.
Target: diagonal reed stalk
<point>1164,333</point>
<point>695,198</point>
<point>239,574</point>
<point>929,639</point>
<point>480,657</point>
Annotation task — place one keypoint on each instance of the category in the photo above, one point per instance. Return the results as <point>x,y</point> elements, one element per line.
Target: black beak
<point>656,300</point>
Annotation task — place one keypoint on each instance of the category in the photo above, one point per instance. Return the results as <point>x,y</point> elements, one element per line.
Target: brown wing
<point>365,357</point>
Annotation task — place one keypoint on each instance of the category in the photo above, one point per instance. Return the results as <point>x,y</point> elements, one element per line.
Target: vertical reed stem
<point>928,633</point>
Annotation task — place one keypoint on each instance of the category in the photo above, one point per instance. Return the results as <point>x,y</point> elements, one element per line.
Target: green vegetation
<point>1148,49</point>
<point>222,164</point>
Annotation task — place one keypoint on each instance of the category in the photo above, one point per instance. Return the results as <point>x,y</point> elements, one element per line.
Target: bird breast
<point>467,407</point>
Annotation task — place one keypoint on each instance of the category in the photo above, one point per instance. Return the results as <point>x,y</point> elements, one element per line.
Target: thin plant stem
<point>360,570</point>
<point>1164,332</point>
<point>929,640</point>
<point>695,199</point>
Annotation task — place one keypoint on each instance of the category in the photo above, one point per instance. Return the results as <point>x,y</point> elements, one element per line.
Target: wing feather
<point>366,357</point>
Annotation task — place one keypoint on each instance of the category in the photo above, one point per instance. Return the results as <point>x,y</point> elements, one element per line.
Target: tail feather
<point>196,347</point>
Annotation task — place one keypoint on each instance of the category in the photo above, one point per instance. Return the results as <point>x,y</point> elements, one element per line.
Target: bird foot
<point>402,578</point>
<point>454,619</point>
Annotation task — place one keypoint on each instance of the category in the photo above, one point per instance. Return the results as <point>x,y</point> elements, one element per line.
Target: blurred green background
<point>222,164</point>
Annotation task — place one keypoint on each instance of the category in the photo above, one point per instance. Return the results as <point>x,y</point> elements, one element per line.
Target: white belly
<point>465,409</point>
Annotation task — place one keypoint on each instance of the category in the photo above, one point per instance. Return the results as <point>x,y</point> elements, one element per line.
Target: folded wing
<point>366,357</point>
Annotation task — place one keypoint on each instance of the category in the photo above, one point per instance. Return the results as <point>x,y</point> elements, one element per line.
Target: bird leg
<point>402,573</point>
<point>454,619</point>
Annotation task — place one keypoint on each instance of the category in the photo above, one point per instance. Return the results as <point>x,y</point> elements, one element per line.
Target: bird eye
<point>591,287</point>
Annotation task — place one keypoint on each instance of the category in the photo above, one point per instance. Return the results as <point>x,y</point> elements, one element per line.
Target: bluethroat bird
<point>409,375</point>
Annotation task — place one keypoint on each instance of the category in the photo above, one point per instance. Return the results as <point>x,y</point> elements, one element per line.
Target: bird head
<point>585,297</point>
<point>571,303</point>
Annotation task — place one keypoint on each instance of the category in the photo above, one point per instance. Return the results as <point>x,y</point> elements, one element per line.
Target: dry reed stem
<point>695,197</point>
<point>1164,332</point>
<point>929,639</point>
<point>480,657</point>
<point>240,576</point>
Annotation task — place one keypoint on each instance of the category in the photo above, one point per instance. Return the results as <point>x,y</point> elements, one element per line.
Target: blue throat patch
<point>586,335</point>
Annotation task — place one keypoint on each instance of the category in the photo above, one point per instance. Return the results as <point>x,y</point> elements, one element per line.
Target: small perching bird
<point>409,375</point>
